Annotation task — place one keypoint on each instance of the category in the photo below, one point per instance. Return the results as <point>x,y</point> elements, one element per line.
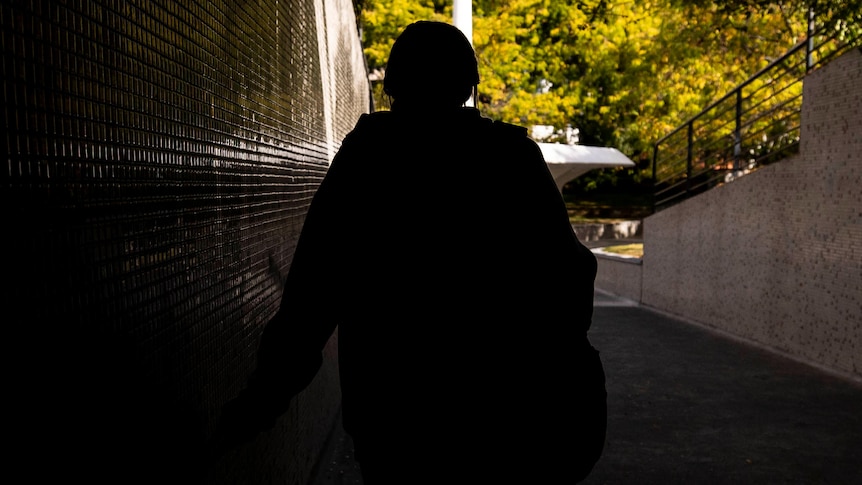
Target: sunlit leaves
<point>623,72</point>
<point>382,22</point>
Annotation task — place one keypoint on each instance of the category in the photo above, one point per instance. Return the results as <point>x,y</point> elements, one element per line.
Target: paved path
<point>690,406</point>
<point>687,405</point>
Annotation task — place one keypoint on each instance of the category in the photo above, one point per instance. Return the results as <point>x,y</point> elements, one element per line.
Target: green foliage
<point>383,21</point>
<point>623,73</point>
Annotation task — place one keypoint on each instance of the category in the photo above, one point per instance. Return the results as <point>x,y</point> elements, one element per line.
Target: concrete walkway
<point>689,406</point>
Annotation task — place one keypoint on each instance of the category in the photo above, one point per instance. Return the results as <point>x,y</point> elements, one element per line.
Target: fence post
<point>689,157</point>
<point>737,133</point>
<point>809,45</point>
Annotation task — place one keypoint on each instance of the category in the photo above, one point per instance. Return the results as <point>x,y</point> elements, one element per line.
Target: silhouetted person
<point>440,246</point>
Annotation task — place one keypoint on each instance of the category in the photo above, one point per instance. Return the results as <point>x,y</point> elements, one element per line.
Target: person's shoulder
<point>376,117</point>
<point>513,137</point>
<point>508,130</point>
<point>368,128</point>
<point>374,120</point>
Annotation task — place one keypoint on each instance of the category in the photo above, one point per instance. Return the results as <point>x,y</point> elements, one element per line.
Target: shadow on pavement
<point>688,405</point>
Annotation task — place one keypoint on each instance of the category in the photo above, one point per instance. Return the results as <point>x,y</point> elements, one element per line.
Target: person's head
<point>431,66</point>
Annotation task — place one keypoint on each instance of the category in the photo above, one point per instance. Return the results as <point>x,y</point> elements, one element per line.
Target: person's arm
<point>572,264</point>
<point>291,345</point>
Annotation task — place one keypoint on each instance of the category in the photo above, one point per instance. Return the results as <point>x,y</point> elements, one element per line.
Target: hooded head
<point>432,65</point>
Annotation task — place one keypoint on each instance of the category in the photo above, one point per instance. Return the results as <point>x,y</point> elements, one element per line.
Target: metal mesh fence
<point>158,160</point>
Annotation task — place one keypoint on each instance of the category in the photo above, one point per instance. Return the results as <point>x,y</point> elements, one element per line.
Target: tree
<point>622,72</point>
<point>382,21</point>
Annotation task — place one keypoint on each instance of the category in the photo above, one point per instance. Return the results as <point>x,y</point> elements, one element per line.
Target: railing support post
<point>689,157</point>
<point>809,45</point>
<point>737,133</point>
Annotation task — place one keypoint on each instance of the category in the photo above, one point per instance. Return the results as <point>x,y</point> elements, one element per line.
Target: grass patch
<point>607,208</point>
<point>634,249</point>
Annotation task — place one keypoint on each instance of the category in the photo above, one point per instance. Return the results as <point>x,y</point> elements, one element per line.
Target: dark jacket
<point>442,250</point>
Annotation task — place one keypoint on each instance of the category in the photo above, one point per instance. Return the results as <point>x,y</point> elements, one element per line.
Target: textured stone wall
<point>776,256</point>
<point>158,161</point>
<point>620,275</point>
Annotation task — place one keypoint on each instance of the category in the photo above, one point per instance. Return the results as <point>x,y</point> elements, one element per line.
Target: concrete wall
<point>776,256</point>
<point>595,234</point>
<point>158,162</point>
<point>619,275</point>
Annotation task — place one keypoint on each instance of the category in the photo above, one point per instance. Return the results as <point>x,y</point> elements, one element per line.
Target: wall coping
<point>600,253</point>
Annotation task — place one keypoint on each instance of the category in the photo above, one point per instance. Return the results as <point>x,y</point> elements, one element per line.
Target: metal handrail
<point>738,139</point>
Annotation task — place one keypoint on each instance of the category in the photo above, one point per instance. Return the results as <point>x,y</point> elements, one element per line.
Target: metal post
<point>809,46</point>
<point>689,157</point>
<point>462,17</point>
<point>737,133</point>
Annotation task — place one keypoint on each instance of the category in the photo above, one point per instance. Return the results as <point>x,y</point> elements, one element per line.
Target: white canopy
<point>568,162</point>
